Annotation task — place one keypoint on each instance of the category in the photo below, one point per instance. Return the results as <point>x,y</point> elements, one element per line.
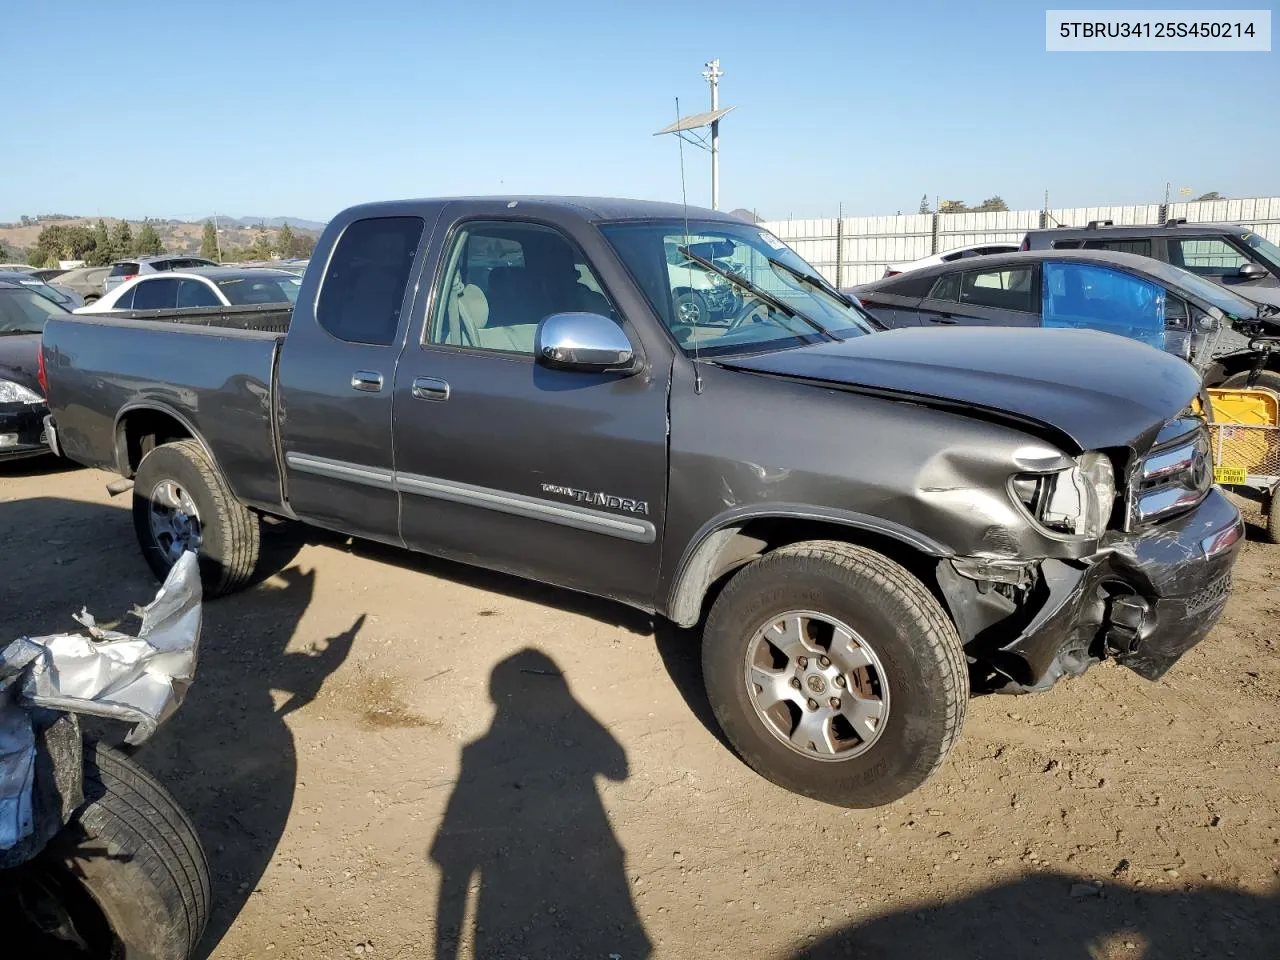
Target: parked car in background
<point>62,296</point>
<point>1121,293</point>
<point>23,314</point>
<point>17,268</point>
<point>948,256</point>
<point>123,270</point>
<point>205,287</point>
<point>874,520</point>
<point>1225,253</point>
<point>84,281</point>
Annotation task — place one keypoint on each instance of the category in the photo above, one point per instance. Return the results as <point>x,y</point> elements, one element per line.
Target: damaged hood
<point>1092,389</point>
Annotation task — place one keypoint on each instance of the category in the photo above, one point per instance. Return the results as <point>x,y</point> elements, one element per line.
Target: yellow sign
<point>1230,475</point>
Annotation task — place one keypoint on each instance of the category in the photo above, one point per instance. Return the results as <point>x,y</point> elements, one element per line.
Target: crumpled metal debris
<point>141,680</point>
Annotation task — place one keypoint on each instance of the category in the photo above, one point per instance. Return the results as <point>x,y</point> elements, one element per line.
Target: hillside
<point>177,236</point>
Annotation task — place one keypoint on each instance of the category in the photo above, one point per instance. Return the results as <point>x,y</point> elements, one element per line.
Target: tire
<point>691,308</point>
<point>1272,517</point>
<point>127,878</point>
<point>91,299</point>
<point>230,535</point>
<point>920,663</point>
<point>1269,379</point>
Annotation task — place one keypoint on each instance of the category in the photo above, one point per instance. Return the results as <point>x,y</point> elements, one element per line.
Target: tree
<point>285,242</point>
<point>209,241</point>
<point>1211,195</point>
<point>121,240</point>
<point>61,242</point>
<point>148,243</point>
<point>952,206</point>
<point>261,246</point>
<point>994,204</point>
<point>924,203</point>
<point>304,244</point>
<point>37,257</point>
<point>100,255</point>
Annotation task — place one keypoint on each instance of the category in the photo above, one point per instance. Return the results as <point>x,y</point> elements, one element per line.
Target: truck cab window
<point>364,286</point>
<point>500,279</point>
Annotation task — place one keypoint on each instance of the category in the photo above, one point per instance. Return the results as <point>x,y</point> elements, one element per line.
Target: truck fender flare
<point>704,559</point>
<point>122,462</point>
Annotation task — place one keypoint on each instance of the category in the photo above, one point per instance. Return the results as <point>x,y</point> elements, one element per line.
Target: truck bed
<point>209,370</point>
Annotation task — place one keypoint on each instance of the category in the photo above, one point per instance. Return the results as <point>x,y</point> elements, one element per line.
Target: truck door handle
<point>369,381</point>
<point>430,388</point>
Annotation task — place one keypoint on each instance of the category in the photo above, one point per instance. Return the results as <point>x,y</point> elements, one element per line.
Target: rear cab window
<point>363,290</point>
<point>126,268</point>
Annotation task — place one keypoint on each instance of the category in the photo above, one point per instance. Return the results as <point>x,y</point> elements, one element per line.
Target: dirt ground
<point>359,792</point>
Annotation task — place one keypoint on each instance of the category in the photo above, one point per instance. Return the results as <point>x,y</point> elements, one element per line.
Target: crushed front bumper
<point>1144,599</point>
<point>22,430</point>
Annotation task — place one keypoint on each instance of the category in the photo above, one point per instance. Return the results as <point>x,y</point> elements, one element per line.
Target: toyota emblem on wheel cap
<point>816,683</point>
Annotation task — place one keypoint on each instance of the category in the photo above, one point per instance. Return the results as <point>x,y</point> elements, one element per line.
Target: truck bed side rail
<point>262,318</point>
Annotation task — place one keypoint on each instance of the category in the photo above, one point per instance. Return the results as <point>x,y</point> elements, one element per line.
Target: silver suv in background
<point>123,270</point>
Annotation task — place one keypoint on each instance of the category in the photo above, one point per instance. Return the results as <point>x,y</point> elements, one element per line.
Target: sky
<point>302,108</point>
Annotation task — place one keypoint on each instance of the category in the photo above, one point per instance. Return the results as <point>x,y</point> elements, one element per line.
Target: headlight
<point>11,392</point>
<point>1076,501</point>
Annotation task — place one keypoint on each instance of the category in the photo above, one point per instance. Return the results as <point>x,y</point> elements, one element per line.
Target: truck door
<point>556,475</point>
<point>335,379</point>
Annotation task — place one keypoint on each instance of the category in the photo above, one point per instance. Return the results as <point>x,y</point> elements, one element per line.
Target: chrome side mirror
<point>583,341</point>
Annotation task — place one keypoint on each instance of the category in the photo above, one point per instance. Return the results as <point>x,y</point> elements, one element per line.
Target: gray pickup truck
<point>869,525</point>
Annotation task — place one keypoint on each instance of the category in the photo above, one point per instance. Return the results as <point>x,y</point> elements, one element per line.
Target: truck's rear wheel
<point>180,503</point>
<point>835,673</point>
<point>126,879</point>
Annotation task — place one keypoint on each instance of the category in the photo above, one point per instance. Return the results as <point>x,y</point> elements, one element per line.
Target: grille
<point>1210,595</point>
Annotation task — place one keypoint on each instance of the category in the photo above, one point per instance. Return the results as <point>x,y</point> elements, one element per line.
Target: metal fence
<point>854,250</point>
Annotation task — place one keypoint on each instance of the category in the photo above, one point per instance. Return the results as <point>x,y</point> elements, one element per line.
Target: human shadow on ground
<point>525,839</point>
<point>1057,917</point>
<point>227,755</point>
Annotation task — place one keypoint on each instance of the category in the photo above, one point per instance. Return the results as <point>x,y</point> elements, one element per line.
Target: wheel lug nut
<point>802,661</point>
<point>795,682</point>
<point>835,703</point>
<point>840,682</point>
<point>813,704</point>
<point>824,662</point>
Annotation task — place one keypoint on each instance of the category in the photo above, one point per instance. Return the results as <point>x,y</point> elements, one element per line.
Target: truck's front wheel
<point>835,673</point>
<point>181,503</point>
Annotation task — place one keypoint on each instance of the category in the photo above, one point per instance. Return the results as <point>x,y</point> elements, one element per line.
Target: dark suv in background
<point>1225,253</point>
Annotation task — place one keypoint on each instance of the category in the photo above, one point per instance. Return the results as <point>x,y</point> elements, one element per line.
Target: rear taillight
<point>40,374</point>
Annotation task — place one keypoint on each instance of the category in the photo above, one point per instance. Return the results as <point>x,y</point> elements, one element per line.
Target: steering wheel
<point>757,314</point>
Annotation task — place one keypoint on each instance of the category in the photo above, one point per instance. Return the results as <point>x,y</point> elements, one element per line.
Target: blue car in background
<point>1131,296</point>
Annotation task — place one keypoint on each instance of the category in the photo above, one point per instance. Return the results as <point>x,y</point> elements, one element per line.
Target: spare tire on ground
<point>126,879</point>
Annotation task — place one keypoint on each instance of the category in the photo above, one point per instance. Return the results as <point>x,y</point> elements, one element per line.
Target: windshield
<point>24,312</point>
<point>1229,303</point>
<point>710,313</point>
<point>1266,249</point>
<point>242,291</point>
